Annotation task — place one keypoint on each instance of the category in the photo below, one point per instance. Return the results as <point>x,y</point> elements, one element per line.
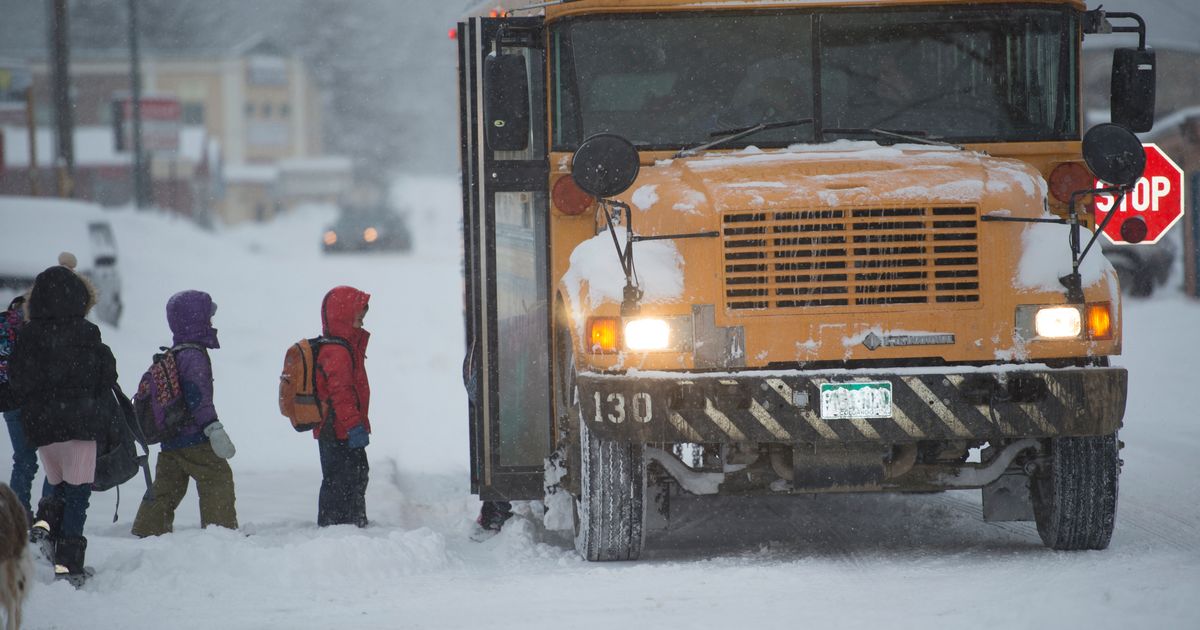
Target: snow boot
<point>68,560</point>
<point>492,517</point>
<point>47,525</point>
<point>493,514</point>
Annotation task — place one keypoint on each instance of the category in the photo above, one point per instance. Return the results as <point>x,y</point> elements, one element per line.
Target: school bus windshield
<point>667,81</point>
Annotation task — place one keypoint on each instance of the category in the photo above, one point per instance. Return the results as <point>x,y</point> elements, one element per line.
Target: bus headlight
<point>1093,321</point>
<point>647,334</point>
<point>1058,322</point>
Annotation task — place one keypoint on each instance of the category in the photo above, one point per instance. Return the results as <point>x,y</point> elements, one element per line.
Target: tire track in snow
<point>1166,527</point>
<point>830,538</point>
<point>1141,518</point>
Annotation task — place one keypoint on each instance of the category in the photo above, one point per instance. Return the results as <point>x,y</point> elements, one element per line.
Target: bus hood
<point>689,194</point>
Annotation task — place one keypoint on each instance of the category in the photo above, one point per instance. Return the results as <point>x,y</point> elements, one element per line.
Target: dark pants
<point>25,463</point>
<point>64,509</point>
<point>174,470</point>
<point>344,470</point>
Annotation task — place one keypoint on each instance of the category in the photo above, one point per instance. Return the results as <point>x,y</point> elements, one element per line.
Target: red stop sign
<point>1157,198</point>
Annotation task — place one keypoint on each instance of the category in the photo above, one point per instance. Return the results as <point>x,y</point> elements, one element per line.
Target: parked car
<point>37,230</point>
<point>367,228</point>
<point>1142,268</point>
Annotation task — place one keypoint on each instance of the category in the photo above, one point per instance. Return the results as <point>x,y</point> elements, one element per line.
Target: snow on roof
<point>1169,123</point>
<point>94,146</point>
<point>326,163</point>
<point>1170,25</point>
<point>251,173</point>
<point>1163,125</point>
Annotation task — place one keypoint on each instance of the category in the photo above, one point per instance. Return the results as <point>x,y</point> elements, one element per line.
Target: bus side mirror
<point>1132,89</point>
<point>605,165</point>
<point>506,107</point>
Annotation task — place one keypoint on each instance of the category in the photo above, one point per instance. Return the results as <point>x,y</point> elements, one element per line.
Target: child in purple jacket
<point>201,448</point>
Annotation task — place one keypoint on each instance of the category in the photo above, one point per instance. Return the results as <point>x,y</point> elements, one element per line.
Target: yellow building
<point>259,102</point>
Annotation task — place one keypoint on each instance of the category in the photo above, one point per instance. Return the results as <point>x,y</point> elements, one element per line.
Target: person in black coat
<point>63,376</point>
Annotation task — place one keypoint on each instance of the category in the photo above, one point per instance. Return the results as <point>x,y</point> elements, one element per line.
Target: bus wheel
<point>611,511</point>
<point>1075,501</point>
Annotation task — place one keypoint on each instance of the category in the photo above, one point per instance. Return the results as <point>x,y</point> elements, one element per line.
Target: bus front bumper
<point>904,405</point>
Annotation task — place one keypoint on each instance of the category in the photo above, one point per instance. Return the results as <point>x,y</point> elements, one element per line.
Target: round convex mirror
<point>1114,154</point>
<point>605,165</point>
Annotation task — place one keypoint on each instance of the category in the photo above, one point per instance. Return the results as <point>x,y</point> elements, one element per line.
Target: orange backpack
<point>298,383</point>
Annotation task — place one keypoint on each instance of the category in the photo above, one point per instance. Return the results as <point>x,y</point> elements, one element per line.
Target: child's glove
<point>357,437</point>
<point>221,444</point>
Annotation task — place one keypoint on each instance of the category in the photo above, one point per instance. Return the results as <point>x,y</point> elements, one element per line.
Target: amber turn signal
<point>603,334</point>
<point>1099,321</point>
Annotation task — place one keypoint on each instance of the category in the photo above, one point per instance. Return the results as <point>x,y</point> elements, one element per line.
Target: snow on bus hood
<point>596,271</point>
<point>1046,257</point>
<point>842,173</point>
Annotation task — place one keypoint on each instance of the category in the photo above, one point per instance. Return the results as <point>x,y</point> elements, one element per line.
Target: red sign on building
<point>161,117</point>
<point>1158,198</point>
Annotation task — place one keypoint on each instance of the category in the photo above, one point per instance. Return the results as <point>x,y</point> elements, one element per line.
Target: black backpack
<point>117,458</point>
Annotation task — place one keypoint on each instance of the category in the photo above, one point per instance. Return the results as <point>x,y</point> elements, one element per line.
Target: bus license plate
<point>846,401</point>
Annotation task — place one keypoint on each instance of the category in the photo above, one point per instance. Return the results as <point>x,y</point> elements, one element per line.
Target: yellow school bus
<point>773,247</point>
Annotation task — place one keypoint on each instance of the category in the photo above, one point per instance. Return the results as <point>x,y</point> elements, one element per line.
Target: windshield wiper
<point>887,134</point>
<point>729,135</point>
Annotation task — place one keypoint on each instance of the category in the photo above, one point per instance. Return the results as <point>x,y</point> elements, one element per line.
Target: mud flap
<point>1008,498</point>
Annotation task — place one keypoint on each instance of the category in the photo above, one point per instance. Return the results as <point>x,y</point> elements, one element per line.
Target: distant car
<point>361,229</point>
<point>1142,268</point>
<point>37,230</point>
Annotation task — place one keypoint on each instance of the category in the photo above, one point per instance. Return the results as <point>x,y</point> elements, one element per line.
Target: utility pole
<point>31,127</point>
<point>64,114</point>
<point>135,88</point>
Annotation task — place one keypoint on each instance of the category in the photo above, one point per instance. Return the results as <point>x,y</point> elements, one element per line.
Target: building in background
<point>243,109</point>
<point>184,181</point>
<point>1171,31</point>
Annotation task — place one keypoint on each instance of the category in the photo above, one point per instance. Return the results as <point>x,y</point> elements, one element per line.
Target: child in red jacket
<point>345,396</point>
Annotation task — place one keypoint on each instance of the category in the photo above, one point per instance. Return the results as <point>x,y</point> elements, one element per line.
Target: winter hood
<point>339,309</point>
<point>59,293</point>
<point>189,314</point>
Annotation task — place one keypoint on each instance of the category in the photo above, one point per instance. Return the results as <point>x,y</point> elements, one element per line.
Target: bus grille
<point>855,257</point>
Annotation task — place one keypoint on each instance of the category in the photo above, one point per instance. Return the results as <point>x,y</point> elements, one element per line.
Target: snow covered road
<point>824,561</point>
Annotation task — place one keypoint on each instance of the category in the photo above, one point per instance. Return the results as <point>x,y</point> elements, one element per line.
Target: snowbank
<point>830,561</point>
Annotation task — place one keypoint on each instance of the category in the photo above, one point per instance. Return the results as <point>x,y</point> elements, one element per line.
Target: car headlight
<point>370,234</point>
<point>330,237</point>
<point>1058,322</point>
<point>647,334</point>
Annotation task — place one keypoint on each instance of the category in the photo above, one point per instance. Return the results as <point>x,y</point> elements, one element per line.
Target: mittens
<point>357,437</point>
<point>221,444</point>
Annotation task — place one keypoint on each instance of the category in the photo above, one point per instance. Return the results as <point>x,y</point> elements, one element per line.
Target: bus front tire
<point>1075,500</point>
<point>610,512</point>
